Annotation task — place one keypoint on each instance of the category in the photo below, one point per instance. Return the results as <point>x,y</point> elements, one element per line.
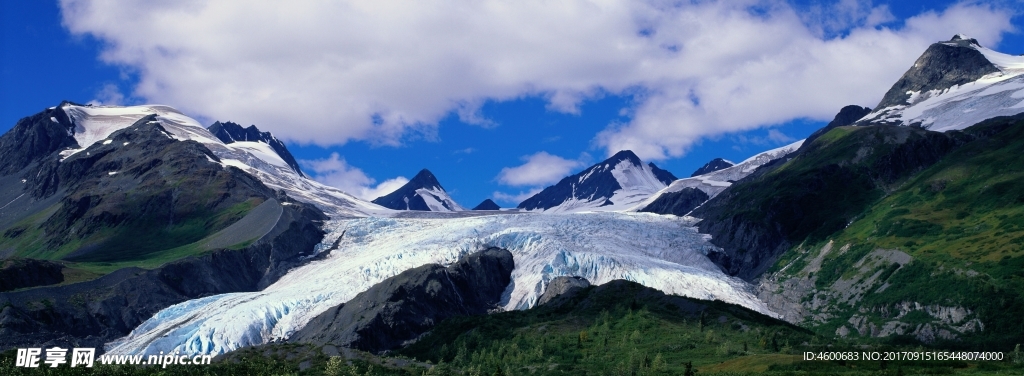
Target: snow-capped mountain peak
<point>953,85</point>
<point>92,124</point>
<point>422,193</point>
<point>616,183</point>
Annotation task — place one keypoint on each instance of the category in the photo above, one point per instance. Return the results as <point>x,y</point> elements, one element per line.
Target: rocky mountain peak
<point>964,41</point>
<point>35,137</point>
<point>229,132</point>
<point>715,165</point>
<point>423,192</point>
<point>625,155</point>
<point>425,179</point>
<point>941,66</point>
<point>487,205</point>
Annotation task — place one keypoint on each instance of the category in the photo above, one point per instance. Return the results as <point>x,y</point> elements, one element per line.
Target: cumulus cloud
<point>514,198</point>
<point>328,72</point>
<point>336,172</point>
<point>110,94</point>
<point>539,169</point>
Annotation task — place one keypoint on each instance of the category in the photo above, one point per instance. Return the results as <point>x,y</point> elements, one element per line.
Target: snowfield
<point>659,251</point>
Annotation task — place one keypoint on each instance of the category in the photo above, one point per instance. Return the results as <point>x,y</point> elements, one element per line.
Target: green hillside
<point>827,185</point>
<point>936,258</point>
<point>142,199</point>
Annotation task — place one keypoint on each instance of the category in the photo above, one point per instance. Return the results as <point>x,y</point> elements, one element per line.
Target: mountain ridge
<point>616,182</point>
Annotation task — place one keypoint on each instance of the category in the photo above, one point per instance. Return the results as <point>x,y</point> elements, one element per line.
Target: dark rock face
<point>595,182</point>
<point>677,203</point>
<point>820,191</point>
<point>563,288</point>
<point>846,116</point>
<point>715,165</point>
<point>229,132</point>
<point>21,273</point>
<point>487,205</point>
<point>89,314</point>
<point>663,175</point>
<point>406,197</point>
<point>943,65</point>
<point>402,307</point>
<point>35,137</point>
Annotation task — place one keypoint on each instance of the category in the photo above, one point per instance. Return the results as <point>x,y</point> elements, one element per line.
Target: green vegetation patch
<point>606,331</point>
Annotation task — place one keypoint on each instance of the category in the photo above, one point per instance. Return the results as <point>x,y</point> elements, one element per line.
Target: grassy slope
<point>962,221</point>
<point>145,245</point>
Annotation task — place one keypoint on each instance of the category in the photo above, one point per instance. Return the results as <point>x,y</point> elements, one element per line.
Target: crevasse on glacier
<point>663,252</point>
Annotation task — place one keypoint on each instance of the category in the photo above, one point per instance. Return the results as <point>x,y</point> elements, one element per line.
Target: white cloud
<point>110,94</point>
<point>327,72</point>
<point>773,138</point>
<point>778,137</point>
<point>336,172</point>
<point>540,169</point>
<point>385,187</point>
<point>514,198</point>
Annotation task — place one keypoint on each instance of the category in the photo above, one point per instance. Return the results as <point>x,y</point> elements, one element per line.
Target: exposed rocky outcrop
<point>941,66</point>
<point>22,273</point>
<point>402,307</point>
<point>663,176</point>
<point>35,137</point>
<point>679,203</point>
<point>795,294</point>
<point>563,288</point>
<point>229,132</point>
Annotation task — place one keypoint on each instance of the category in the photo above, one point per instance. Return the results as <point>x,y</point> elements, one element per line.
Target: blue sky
<point>497,98</point>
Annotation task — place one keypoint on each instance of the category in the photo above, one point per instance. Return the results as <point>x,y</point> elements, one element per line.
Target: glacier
<point>374,243</point>
<point>660,251</point>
